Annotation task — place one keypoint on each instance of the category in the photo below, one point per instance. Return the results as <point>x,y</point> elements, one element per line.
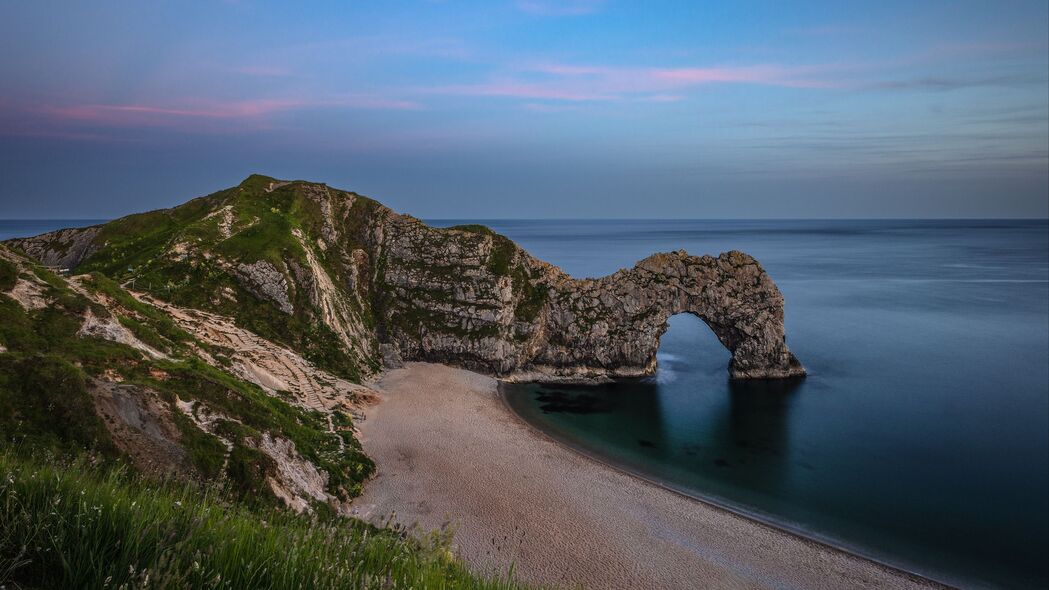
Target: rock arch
<point>610,327</point>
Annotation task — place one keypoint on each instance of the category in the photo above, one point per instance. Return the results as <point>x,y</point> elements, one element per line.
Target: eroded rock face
<point>141,425</point>
<point>480,301</point>
<point>265,281</point>
<point>611,326</point>
<point>393,289</point>
<point>65,248</point>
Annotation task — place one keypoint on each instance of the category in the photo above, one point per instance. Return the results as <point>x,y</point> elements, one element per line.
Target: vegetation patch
<point>475,228</point>
<point>44,403</point>
<point>502,255</point>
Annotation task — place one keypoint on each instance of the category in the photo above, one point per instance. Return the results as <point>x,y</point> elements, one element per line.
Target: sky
<point>532,108</point>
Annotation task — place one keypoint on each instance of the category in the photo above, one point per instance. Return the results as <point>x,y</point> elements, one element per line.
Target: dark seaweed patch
<point>563,402</point>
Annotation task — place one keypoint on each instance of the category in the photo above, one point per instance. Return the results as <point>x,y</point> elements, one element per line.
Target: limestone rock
<point>65,248</point>
<point>266,282</point>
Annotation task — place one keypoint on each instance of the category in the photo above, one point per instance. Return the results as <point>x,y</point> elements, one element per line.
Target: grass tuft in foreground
<point>66,526</point>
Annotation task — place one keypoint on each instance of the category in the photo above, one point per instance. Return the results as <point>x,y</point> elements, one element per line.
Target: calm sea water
<point>921,436</point>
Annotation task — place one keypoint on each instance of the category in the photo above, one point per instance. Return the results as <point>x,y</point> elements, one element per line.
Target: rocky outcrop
<point>473,298</point>
<point>141,426</point>
<point>389,288</point>
<point>65,248</point>
<point>109,328</point>
<point>266,282</point>
<point>275,369</point>
<point>612,326</point>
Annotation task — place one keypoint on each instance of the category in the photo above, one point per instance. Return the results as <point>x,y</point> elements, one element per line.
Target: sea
<point>920,437</point>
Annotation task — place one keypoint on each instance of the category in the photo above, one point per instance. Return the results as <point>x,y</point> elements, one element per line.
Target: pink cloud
<point>578,83</point>
<point>768,75</point>
<point>263,71</point>
<point>540,107</point>
<point>573,70</point>
<point>162,115</point>
<point>560,7</point>
<point>521,90</point>
<point>146,113</point>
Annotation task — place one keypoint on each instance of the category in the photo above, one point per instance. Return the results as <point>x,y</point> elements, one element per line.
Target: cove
<point>919,437</point>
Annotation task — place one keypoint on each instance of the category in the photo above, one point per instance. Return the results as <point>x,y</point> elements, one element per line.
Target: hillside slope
<point>87,367</point>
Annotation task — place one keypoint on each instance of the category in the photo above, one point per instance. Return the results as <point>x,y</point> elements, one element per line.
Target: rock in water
<point>341,270</point>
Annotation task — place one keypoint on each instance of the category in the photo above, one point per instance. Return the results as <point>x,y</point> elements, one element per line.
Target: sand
<point>449,451</point>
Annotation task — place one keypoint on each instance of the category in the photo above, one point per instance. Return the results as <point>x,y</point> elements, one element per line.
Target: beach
<point>449,453</point>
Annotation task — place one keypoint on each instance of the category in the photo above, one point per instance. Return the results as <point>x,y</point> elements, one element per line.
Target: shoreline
<point>714,503</point>
<point>451,453</point>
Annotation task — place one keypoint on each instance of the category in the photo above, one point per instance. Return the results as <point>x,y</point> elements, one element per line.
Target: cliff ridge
<point>353,285</point>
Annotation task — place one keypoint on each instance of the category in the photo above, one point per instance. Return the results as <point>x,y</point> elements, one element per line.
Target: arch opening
<point>686,344</point>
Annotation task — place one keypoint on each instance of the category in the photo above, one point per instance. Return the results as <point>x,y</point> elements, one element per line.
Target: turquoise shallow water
<point>921,436</point>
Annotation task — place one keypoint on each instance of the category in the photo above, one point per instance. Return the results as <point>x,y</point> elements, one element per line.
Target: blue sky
<point>532,108</point>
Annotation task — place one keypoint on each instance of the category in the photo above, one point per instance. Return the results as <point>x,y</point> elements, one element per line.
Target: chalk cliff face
<point>353,285</point>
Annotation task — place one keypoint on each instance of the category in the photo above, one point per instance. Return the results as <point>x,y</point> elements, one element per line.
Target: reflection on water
<point>921,435</point>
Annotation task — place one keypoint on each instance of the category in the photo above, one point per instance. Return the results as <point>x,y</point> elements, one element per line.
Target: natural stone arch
<point>611,326</point>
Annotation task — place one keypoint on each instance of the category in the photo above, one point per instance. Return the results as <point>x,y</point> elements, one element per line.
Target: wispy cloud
<point>577,83</point>
<point>770,75</point>
<point>161,114</point>
<point>146,114</point>
<point>262,71</point>
<point>515,89</point>
<point>956,83</point>
<point>560,7</point>
<point>828,30</point>
<point>110,122</point>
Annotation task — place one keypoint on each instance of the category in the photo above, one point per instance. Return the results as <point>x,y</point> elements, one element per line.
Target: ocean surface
<point>920,437</point>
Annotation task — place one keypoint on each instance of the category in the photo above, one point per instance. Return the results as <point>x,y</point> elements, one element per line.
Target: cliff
<point>352,285</point>
<point>86,366</point>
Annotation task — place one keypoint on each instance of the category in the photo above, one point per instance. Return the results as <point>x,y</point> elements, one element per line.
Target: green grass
<point>44,403</point>
<point>72,525</point>
<point>474,228</point>
<point>502,255</point>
